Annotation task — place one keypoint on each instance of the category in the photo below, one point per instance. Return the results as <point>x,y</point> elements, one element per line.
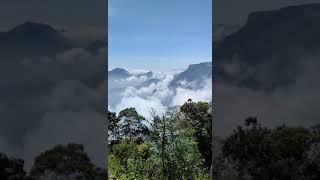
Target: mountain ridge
<point>32,39</point>
<point>194,77</point>
<point>273,39</point>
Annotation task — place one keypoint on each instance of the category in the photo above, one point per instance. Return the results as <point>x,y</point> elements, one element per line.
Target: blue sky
<point>159,34</point>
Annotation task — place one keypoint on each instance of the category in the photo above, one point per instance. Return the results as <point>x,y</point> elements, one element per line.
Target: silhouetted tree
<point>264,153</point>
<point>11,168</point>
<point>66,162</point>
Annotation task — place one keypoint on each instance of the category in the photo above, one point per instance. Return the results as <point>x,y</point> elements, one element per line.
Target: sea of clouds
<point>157,96</point>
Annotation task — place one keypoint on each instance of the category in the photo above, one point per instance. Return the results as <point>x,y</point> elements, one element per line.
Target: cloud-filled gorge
<point>158,91</point>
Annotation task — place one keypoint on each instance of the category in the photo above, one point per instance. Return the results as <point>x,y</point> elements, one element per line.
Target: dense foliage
<point>178,145</point>
<point>173,146</point>
<point>258,152</point>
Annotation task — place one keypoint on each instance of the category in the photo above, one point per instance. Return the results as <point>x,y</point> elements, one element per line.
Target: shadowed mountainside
<point>270,43</point>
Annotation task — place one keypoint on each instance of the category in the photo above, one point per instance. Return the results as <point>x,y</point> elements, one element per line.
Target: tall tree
<point>113,126</point>
<point>198,116</point>
<point>177,149</point>
<point>131,125</point>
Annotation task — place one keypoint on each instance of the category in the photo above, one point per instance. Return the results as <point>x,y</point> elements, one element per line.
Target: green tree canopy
<point>177,148</point>
<point>199,117</point>
<point>131,125</point>
<point>113,127</point>
<point>129,160</point>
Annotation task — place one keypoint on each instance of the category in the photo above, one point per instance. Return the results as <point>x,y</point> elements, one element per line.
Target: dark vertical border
<point>212,93</point>
<point>106,91</point>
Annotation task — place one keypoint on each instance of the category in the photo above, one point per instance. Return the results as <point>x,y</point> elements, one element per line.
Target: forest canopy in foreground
<point>173,146</point>
<point>178,146</point>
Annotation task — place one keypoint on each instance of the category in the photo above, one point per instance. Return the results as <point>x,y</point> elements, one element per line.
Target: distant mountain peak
<point>33,27</point>
<point>119,70</point>
<point>118,73</point>
<point>123,73</point>
<point>31,39</point>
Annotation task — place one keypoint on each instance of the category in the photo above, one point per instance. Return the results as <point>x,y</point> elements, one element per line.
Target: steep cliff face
<point>194,76</point>
<point>271,43</point>
<point>273,33</point>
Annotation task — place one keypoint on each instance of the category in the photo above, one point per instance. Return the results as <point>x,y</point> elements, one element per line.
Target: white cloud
<point>202,94</point>
<point>142,105</point>
<point>158,96</point>
<point>137,71</point>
